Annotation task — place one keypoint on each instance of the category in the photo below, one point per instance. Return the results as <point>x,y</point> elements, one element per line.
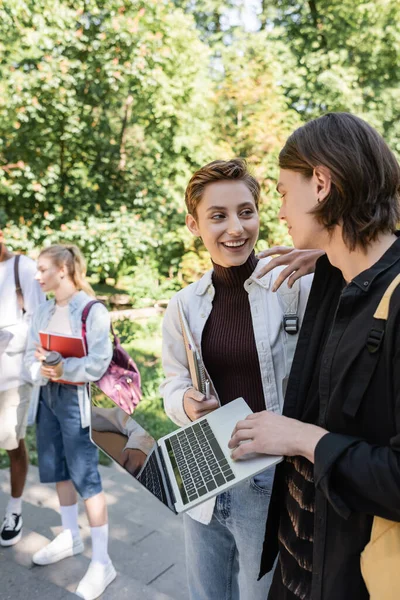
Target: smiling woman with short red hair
<point>237,324</point>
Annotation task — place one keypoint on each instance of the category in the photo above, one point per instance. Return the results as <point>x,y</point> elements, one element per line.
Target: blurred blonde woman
<point>61,411</point>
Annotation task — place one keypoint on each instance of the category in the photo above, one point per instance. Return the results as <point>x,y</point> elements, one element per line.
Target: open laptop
<point>186,467</point>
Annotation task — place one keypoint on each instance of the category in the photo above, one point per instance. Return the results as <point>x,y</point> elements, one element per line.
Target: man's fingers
<point>246,424</point>
<point>251,417</point>
<point>242,450</point>
<point>278,261</point>
<point>275,250</point>
<point>302,261</point>
<point>283,275</point>
<point>275,262</point>
<point>240,436</point>
<point>295,276</point>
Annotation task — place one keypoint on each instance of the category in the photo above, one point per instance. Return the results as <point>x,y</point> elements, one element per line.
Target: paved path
<point>146,545</point>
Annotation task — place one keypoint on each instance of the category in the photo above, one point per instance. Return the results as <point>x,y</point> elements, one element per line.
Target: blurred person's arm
<point>93,366</point>
<point>32,364</point>
<point>33,297</point>
<point>116,421</point>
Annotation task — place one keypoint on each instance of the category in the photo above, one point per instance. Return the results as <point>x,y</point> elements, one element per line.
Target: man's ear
<point>323,182</point>
<point>192,225</point>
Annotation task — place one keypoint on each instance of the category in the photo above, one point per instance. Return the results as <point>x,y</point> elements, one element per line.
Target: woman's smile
<point>234,245</point>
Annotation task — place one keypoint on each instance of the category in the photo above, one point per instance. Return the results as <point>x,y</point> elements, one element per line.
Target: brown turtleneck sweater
<point>228,345</point>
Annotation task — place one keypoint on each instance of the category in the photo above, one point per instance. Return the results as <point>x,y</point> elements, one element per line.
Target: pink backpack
<point>121,381</point>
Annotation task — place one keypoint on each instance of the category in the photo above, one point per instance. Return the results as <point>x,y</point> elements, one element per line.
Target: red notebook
<point>69,346</point>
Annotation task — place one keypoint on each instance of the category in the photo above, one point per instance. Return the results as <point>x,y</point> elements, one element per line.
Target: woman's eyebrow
<point>216,208</point>
<point>222,208</point>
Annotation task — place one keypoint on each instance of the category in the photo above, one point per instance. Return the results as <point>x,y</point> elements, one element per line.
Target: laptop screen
<point>130,440</point>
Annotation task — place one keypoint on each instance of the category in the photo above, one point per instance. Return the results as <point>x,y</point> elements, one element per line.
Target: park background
<point>108,107</point>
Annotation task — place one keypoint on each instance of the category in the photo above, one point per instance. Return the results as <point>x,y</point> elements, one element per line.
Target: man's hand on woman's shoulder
<point>299,263</point>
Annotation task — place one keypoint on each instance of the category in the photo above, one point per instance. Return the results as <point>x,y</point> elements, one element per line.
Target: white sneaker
<point>95,580</point>
<point>62,546</point>
<point>11,530</point>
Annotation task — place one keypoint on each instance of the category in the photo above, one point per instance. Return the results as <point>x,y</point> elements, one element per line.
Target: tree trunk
<point>125,122</point>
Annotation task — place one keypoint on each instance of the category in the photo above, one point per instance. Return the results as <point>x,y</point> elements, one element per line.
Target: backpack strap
<point>289,300</point>
<point>84,317</point>
<point>382,312</point>
<point>374,345</point>
<point>18,289</point>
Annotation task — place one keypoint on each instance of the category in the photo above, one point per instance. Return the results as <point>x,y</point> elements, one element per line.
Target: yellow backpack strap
<point>381,315</point>
<point>382,312</point>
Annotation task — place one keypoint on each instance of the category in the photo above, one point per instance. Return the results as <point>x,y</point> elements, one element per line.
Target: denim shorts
<point>65,451</point>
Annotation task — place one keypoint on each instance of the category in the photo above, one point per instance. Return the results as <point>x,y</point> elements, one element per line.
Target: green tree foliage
<point>213,18</point>
<point>347,57</point>
<point>102,107</point>
<point>253,117</point>
<point>107,108</point>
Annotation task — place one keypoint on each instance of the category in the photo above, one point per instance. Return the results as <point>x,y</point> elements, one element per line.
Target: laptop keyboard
<point>199,464</point>
<point>150,477</point>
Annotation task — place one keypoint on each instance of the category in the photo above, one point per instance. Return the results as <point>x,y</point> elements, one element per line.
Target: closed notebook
<point>197,369</point>
<point>69,346</point>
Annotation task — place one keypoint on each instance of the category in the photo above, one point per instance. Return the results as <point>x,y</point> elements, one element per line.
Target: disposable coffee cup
<point>52,359</point>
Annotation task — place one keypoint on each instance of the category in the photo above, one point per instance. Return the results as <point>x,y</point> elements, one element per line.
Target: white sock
<point>69,519</point>
<point>100,544</point>
<point>14,506</point>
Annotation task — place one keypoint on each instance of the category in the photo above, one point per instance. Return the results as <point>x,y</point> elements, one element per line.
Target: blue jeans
<point>65,451</point>
<point>223,558</point>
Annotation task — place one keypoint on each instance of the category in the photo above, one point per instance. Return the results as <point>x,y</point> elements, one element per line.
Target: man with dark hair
<point>340,432</point>
<point>20,294</point>
<point>364,176</point>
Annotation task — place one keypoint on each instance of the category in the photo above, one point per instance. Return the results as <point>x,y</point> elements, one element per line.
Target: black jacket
<point>357,465</point>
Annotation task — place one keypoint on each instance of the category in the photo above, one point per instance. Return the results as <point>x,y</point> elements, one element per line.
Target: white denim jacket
<point>90,367</point>
<point>272,342</point>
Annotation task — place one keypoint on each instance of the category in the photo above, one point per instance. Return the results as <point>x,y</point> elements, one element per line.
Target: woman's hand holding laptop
<point>196,405</point>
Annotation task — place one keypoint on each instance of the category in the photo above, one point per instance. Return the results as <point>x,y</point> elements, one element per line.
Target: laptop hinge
<point>169,491</point>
